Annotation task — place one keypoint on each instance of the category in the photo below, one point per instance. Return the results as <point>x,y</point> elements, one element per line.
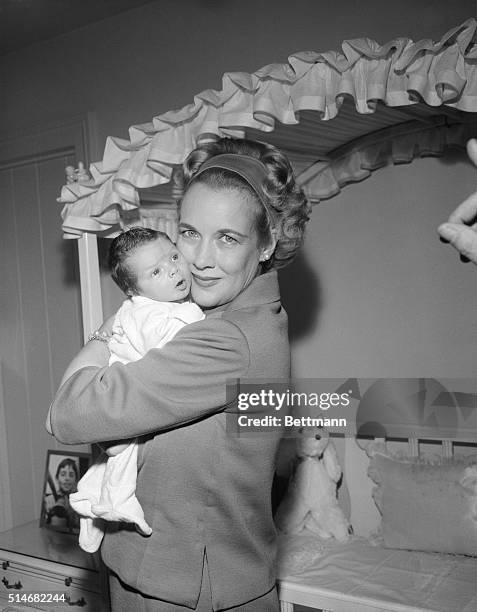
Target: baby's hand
<point>107,325</point>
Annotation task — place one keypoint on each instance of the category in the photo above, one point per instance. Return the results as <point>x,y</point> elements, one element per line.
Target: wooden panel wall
<point>40,304</point>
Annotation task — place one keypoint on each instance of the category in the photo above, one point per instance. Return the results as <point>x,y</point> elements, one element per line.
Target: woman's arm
<point>93,353</point>
<point>180,383</point>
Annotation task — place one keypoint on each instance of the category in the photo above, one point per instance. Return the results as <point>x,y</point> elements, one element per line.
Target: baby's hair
<point>121,247</point>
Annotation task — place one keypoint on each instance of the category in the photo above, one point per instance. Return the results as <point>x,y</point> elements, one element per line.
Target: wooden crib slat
<point>413,447</point>
<point>447,449</point>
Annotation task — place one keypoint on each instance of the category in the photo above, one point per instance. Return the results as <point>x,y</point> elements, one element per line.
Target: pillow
<point>425,506</point>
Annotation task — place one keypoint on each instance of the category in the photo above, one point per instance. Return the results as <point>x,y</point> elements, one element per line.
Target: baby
<point>150,270</point>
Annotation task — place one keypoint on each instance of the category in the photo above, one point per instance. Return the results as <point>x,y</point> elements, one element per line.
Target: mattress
<point>359,576</point>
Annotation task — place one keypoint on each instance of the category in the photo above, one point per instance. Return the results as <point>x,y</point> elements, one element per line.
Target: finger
<point>462,238</point>
<point>472,150</point>
<point>465,212</point>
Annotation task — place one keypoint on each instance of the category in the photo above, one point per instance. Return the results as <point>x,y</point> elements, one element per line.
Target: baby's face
<point>161,271</point>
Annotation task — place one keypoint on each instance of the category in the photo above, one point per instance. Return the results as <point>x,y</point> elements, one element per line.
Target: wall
<point>390,299</point>
<point>40,305</point>
<point>377,295</point>
<point>144,62</point>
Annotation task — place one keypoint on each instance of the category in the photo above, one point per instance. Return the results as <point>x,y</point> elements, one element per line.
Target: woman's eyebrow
<point>224,230</point>
<point>227,230</point>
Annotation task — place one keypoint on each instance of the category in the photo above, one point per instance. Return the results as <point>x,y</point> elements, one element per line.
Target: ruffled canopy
<point>338,115</point>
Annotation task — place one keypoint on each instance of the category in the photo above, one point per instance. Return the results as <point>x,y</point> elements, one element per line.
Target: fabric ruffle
<point>399,73</point>
<point>400,145</point>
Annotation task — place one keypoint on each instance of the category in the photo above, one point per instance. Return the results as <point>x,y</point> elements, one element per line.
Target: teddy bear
<point>311,500</point>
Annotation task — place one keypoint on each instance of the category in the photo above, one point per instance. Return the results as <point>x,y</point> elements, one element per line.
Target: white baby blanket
<point>107,492</point>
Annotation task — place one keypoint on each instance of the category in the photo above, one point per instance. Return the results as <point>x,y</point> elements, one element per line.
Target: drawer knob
<point>80,602</point>
<point>17,585</point>
<point>5,564</point>
<point>68,581</point>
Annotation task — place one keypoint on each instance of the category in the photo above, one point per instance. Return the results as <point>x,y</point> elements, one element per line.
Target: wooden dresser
<point>36,562</point>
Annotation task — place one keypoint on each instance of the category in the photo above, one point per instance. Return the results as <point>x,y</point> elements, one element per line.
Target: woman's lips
<point>205,281</point>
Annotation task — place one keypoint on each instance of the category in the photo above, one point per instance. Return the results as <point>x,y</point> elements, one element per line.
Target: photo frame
<point>62,472</point>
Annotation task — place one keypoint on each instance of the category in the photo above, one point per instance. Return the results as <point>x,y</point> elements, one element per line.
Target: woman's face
<point>218,239</point>
<point>67,479</point>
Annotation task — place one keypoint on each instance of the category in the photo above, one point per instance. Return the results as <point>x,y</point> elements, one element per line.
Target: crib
<point>359,576</point>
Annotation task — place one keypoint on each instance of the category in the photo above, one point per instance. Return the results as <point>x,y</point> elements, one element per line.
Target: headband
<point>251,169</point>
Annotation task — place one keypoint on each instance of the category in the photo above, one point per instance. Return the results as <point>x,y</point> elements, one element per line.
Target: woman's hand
<point>461,228</point>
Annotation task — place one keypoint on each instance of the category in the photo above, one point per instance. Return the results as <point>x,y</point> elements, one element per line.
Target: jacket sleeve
<point>167,388</point>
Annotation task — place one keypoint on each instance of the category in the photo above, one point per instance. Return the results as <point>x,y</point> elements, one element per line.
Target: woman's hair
<point>286,199</point>
<point>121,247</point>
<point>66,462</point>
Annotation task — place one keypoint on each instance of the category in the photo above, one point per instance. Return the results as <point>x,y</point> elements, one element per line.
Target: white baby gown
<point>107,492</point>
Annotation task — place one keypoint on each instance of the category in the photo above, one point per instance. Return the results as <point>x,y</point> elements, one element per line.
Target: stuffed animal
<point>311,501</point>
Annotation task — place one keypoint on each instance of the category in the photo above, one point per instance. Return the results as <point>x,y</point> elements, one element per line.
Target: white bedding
<point>367,577</point>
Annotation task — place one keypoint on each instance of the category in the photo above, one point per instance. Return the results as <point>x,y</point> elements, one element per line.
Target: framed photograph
<point>62,472</point>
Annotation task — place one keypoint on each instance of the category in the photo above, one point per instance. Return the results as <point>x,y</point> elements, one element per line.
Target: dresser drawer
<point>29,576</point>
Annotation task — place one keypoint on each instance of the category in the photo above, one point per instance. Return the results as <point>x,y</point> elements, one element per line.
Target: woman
<point>205,493</point>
